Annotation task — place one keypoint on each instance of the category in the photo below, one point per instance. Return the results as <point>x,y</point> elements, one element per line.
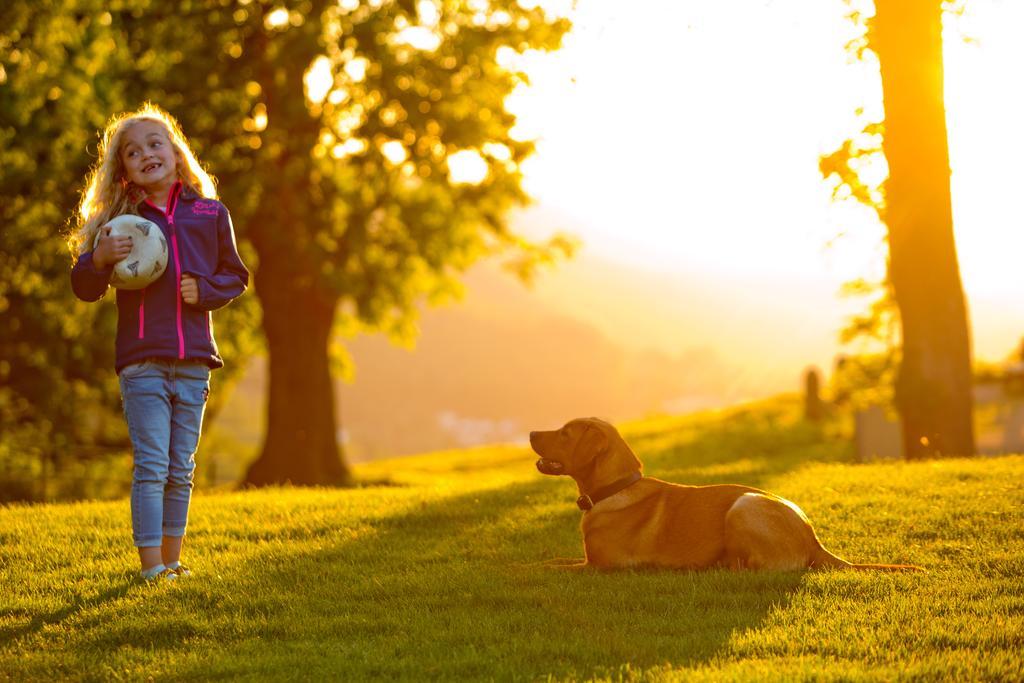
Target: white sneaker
<point>163,575</point>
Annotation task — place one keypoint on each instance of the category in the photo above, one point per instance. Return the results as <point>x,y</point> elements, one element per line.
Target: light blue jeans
<point>164,401</point>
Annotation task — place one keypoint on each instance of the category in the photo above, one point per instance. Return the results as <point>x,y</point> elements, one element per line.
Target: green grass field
<point>433,576</point>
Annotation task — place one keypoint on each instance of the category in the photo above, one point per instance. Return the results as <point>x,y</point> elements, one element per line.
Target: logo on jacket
<point>204,207</point>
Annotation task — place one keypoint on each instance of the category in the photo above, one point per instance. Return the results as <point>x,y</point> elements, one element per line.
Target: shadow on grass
<point>10,635</point>
<point>449,591</point>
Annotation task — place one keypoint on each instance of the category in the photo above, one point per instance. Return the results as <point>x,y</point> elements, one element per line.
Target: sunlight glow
<point>338,96</point>
<point>983,55</point>
<point>318,79</point>
<point>872,169</point>
<point>428,13</point>
<point>497,151</point>
<point>506,57</point>
<point>349,122</point>
<point>356,69</point>
<point>350,147</point>
<point>467,167</point>
<point>259,117</point>
<point>277,19</point>
<point>394,151</point>
<point>723,110</point>
<point>419,37</point>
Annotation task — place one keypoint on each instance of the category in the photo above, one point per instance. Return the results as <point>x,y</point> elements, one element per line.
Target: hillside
<point>431,573</point>
<point>589,339</point>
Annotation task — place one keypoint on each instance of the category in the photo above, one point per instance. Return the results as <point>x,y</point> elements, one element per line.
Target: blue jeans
<point>164,402</point>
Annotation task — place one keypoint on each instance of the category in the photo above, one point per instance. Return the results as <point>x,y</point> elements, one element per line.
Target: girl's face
<point>148,156</point>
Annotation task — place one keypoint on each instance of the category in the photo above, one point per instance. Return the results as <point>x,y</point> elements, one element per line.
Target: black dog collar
<point>585,502</point>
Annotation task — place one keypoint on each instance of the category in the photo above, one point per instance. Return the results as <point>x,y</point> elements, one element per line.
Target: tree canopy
<point>363,149</point>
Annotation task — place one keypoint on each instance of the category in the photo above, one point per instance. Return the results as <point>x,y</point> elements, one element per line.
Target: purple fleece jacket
<point>155,322</point>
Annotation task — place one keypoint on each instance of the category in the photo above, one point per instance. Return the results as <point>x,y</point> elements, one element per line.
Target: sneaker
<point>182,571</point>
<point>162,576</point>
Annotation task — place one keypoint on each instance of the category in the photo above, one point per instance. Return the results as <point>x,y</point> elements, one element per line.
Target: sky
<point>683,137</point>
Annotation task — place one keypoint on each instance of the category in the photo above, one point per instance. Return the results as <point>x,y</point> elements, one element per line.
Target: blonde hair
<point>107,191</point>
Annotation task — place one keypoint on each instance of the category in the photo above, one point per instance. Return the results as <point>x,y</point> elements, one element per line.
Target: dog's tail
<point>826,560</point>
<point>888,567</point>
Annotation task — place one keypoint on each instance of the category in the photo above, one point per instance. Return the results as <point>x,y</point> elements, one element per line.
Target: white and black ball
<point>148,258</point>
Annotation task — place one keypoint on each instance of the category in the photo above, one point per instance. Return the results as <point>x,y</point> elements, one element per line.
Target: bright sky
<point>684,136</point>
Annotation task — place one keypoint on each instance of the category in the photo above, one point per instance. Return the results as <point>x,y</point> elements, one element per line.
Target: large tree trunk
<point>933,390</point>
<point>301,442</point>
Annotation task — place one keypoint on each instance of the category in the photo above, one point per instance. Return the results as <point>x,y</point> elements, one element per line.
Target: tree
<point>933,388</point>
<point>933,391</point>
<point>58,397</point>
<point>62,74</point>
<point>362,147</point>
<point>364,151</point>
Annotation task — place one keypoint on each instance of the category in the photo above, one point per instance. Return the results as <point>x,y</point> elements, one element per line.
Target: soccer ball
<point>148,258</point>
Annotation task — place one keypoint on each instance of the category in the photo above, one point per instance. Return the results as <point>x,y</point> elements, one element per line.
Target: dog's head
<point>587,449</point>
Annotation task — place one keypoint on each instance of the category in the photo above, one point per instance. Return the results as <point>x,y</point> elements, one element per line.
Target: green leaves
<point>340,133</point>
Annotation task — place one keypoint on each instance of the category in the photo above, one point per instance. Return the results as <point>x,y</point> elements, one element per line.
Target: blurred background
<point>508,214</point>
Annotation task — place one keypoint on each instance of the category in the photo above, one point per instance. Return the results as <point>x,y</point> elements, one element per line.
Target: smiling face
<point>148,156</point>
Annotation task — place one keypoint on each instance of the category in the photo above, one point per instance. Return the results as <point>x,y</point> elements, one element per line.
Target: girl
<point>165,347</point>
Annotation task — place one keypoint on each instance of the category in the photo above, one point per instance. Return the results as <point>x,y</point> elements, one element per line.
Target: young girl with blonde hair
<point>165,346</point>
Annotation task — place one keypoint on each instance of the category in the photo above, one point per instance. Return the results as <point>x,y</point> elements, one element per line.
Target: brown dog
<point>631,520</point>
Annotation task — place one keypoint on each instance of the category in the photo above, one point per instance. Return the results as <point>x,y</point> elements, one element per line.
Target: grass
<point>433,577</point>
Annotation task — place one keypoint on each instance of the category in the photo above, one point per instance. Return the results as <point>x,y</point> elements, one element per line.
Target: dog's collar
<point>585,502</point>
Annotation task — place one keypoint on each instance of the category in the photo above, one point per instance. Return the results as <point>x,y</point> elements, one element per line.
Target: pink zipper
<point>142,315</point>
<point>172,203</point>
<point>177,270</point>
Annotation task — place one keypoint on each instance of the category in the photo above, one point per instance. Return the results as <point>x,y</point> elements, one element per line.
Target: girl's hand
<point>189,289</point>
<point>111,249</point>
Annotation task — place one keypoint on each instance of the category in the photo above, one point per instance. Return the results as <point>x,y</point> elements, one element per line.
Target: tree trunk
<point>301,445</point>
<point>933,389</point>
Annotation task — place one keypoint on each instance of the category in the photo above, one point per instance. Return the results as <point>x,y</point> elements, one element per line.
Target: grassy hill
<point>433,575</point>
